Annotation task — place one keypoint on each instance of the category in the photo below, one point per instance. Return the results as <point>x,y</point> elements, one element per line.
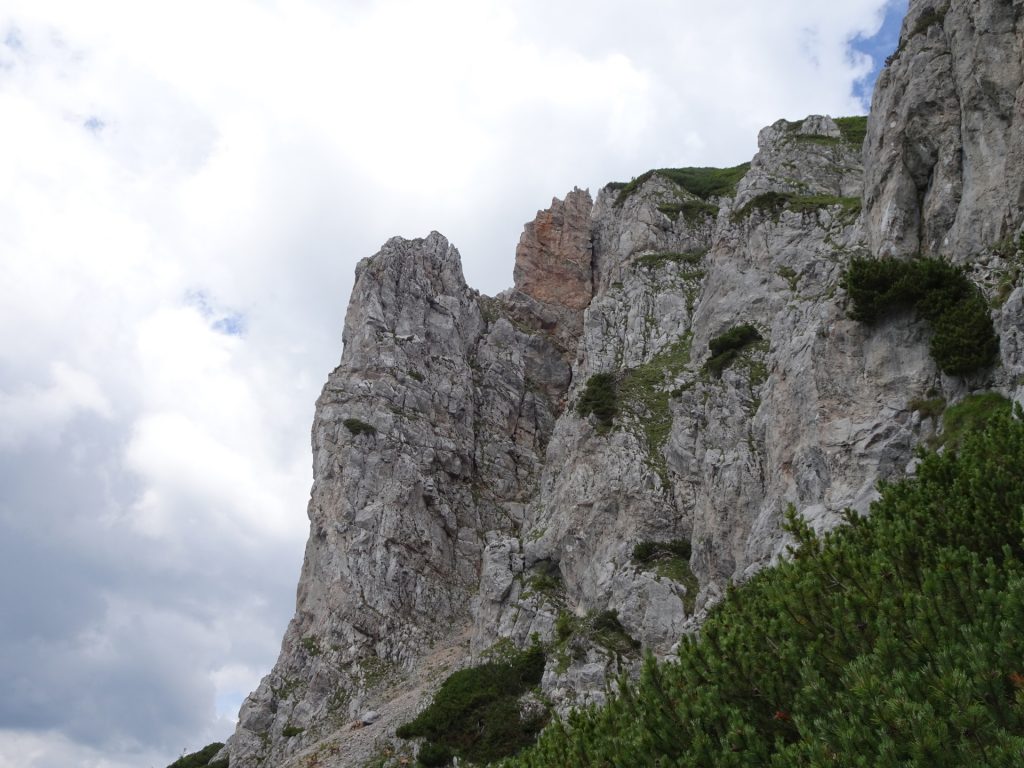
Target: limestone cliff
<point>461,498</point>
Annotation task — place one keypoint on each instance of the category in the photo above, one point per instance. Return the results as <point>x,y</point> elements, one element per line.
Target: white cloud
<point>40,412</point>
<point>185,189</point>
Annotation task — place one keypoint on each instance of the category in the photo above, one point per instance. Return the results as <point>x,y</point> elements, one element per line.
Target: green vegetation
<point>929,408</point>
<point>286,689</point>
<point>963,339</point>
<point>1011,249</point>
<point>726,347</point>
<point>549,583</point>
<point>415,375</point>
<point>201,759</point>
<point>691,210</point>
<point>575,634</point>
<point>853,129</point>
<point>971,415</point>
<point>357,427</point>
<point>773,203</point>
<point>790,276</point>
<point>670,560</point>
<point>895,640</point>
<point>599,398</point>
<point>475,714</point>
<point>311,645</point>
<point>375,670</point>
<point>291,730</point>
<point>607,631</point>
<point>644,395</point>
<point>647,552</point>
<point>703,182</point>
<point>653,261</point>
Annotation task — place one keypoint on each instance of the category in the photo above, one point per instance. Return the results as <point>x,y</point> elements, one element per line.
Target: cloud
<point>40,412</point>
<point>185,190</point>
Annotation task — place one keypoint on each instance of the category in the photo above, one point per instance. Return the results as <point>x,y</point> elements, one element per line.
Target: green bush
<point>648,551</point>
<point>691,210</point>
<point>357,427</point>
<point>433,755</point>
<point>736,337</point>
<point>774,203</point>
<point>547,583</point>
<point>202,758</point>
<point>291,730</point>
<point>607,631</point>
<point>671,560</point>
<point>702,182</point>
<point>963,339</point>
<point>895,640</point>
<point>725,347</point>
<point>600,399</point>
<point>565,625</point>
<point>971,414</point>
<point>929,408</point>
<point>574,634</point>
<point>475,714</point>
<point>853,129</point>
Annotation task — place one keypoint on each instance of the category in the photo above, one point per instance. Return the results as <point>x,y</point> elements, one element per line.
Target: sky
<point>185,190</point>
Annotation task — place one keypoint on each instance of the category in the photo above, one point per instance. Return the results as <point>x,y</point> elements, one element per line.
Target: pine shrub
<point>359,427</point>
<point>600,399</point>
<point>725,347</point>
<point>963,339</point>
<point>475,714</point>
<point>201,759</point>
<point>896,640</point>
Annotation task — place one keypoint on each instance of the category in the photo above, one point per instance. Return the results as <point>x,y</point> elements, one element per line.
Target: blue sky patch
<point>224,321</point>
<point>94,124</point>
<point>878,47</point>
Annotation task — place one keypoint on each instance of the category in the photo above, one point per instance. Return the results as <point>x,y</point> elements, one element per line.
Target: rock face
<point>554,277</point>
<point>461,499</point>
<point>945,148</point>
<point>554,254</point>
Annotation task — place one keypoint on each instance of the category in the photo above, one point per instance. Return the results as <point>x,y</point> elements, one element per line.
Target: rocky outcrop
<point>554,254</point>
<point>462,500</point>
<point>553,273</point>
<point>428,435</point>
<point>945,149</point>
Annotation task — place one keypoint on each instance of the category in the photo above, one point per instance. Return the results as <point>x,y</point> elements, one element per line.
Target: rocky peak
<point>806,157</point>
<point>553,258</point>
<point>554,272</point>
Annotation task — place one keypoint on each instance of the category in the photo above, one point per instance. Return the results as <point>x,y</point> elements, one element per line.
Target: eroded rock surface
<point>945,147</point>
<point>461,500</point>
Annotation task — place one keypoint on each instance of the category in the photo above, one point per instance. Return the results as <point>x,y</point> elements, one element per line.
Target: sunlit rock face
<point>461,498</point>
<point>945,148</point>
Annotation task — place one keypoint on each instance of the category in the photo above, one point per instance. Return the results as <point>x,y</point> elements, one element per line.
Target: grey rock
<point>944,156</point>
<point>459,498</point>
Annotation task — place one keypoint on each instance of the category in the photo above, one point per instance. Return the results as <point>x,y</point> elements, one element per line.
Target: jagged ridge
<point>479,506</point>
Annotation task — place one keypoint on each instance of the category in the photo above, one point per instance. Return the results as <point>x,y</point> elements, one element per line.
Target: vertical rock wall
<point>461,499</point>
